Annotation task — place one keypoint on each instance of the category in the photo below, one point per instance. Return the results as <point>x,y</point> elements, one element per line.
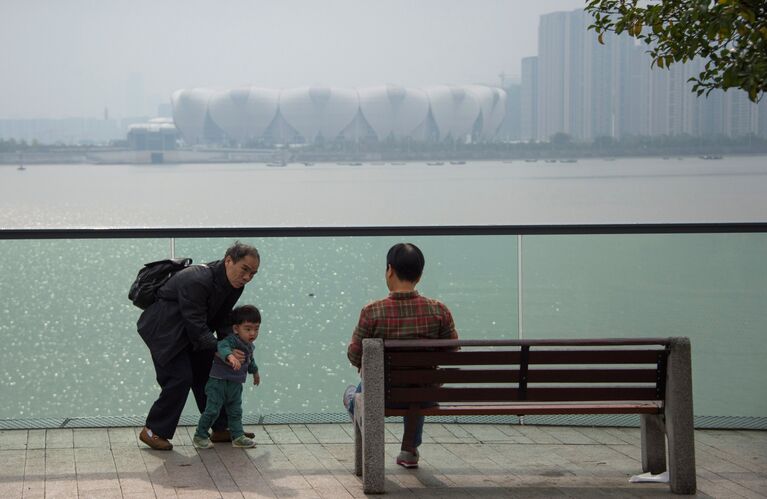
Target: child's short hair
<point>246,313</point>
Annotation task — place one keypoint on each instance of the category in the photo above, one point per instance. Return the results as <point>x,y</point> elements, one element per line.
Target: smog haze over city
<point>80,57</point>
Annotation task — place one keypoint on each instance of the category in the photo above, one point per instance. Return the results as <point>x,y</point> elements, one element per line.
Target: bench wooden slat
<point>571,357</point>
<point>391,344</point>
<point>424,376</point>
<point>456,375</point>
<point>648,407</point>
<point>428,359</point>
<point>592,376</point>
<point>505,357</point>
<point>511,394</point>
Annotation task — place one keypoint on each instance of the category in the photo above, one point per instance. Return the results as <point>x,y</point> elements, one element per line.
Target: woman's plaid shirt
<point>403,315</point>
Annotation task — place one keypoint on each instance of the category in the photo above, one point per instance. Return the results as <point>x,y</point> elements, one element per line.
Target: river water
<point>69,343</point>
<point>477,193</point>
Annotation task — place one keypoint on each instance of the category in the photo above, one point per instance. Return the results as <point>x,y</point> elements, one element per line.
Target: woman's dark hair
<point>246,313</point>
<point>406,260</point>
<point>238,251</point>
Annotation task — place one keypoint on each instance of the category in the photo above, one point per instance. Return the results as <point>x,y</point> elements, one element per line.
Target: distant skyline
<point>78,57</point>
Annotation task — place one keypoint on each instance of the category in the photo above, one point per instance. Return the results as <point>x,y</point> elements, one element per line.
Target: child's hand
<point>256,379</point>
<point>232,360</point>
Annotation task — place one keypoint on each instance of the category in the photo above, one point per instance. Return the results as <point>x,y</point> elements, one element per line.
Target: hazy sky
<point>64,58</point>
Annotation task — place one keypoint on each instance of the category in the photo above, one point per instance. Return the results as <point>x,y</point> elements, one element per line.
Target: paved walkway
<point>293,461</point>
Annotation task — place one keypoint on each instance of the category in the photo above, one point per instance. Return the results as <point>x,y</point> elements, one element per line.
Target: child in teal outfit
<point>224,387</point>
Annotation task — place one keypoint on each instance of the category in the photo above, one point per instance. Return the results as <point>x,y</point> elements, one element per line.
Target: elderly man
<point>404,314</point>
<point>178,329</point>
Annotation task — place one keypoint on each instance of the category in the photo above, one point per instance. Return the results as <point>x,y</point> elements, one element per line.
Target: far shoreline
<point>279,157</point>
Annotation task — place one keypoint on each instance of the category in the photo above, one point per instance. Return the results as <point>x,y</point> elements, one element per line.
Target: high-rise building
<point>510,129</point>
<point>553,76</point>
<point>630,114</point>
<point>762,118</point>
<point>576,80</point>
<point>528,105</point>
<point>672,106</point>
<point>711,114</point>
<point>587,90</point>
<point>740,116</point>
<point>593,114</point>
<point>134,95</point>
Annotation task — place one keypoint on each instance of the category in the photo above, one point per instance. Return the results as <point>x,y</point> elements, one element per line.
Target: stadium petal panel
<point>394,111</point>
<point>243,114</point>
<point>190,107</point>
<point>455,111</point>
<point>492,103</point>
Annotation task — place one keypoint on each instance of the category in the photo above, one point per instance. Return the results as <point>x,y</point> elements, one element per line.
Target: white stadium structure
<point>311,114</point>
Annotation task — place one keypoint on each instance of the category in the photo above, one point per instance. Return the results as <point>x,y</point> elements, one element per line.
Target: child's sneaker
<point>243,442</point>
<point>408,459</point>
<point>202,442</point>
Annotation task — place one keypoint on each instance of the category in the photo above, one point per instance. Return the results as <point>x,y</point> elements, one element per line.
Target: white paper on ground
<point>649,477</point>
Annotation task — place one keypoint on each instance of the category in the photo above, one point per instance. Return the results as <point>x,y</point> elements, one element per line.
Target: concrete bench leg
<point>372,416</point>
<point>373,459</point>
<point>357,447</point>
<point>679,418</point>
<point>653,444</point>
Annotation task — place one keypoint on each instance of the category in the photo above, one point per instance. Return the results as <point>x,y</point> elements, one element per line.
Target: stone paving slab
<point>317,460</point>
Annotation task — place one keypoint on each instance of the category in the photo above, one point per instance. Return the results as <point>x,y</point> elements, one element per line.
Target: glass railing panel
<point>70,347</point>
<point>710,287</point>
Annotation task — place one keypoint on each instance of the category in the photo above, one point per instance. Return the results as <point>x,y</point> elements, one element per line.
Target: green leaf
<point>712,30</point>
<point>747,14</point>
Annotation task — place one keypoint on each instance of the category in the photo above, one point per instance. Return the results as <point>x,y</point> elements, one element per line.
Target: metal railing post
<point>519,299</point>
<point>519,286</point>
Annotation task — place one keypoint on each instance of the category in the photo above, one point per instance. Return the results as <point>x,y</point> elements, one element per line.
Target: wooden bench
<point>649,376</point>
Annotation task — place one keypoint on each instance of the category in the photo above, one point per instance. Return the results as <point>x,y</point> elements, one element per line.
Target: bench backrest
<point>494,371</point>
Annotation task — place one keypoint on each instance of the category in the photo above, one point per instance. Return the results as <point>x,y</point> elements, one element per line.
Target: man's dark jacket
<point>189,307</point>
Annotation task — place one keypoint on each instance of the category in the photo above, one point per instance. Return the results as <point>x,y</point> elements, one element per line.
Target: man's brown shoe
<point>154,441</point>
<point>226,436</point>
